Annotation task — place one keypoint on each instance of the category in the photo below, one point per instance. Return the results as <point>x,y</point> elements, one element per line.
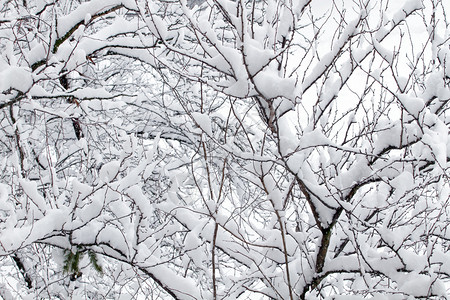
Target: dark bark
<point>22,270</point>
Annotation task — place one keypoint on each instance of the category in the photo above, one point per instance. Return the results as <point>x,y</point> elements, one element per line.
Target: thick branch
<point>22,270</point>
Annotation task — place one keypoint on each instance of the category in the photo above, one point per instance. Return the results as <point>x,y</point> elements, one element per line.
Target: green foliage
<point>72,262</point>
<point>94,261</point>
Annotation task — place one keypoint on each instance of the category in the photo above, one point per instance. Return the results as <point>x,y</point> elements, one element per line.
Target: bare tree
<point>225,149</point>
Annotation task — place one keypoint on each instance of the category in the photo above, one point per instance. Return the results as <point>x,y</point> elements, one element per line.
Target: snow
<point>87,18</point>
<point>402,183</point>
<point>37,53</point>
<point>92,209</point>
<point>203,121</point>
<point>407,8</point>
<point>313,139</point>
<point>141,200</point>
<point>386,54</point>
<point>256,57</point>
<point>270,85</point>
<point>83,12</point>
<point>239,88</point>
<point>415,284</point>
<point>17,78</point>
<point>355,173</point>
<point>30,189</point>
<point>402,82</point>
<point>376,74</point>
<point>18,237</point>
<point>413,260</point>
<point>184,288</point>
<point>192,221</point>
<point>434,139</point>
<point>113,236</point>
<point>192,241</point>
<point>298,6</point>
<point>4,193</point>
<point>139,195</point>
<point>91,93</point>
<point>157,26</point>
<point>412,105</point>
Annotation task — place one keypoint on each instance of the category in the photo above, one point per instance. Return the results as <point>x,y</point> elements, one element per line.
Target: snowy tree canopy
<point>224,149</point>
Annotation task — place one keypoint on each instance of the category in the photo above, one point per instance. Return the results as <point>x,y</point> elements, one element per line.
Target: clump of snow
<point>19,237</point>
<point>203,121</point>
<point>402,183</point>
<point>89,93</point>
<point>66,23</point>
<point>436,139</point>
<point>384,53</point>
<point>314,138</point>
<point>402,82</point>
<point>271,85</point>
<point>412,104</point>
<point>87,18</point>
<point>37,53</point>
<point>141,200</point>
<point>31,190</point>
<point>299,5</point>
<point>192,241</point>
<point>415,284</point>
<point>109,171</point>
<point>407,8</point>
<point>16,78</point>
<point>376,74</point>
<point>256,57</point>
<point>92,209</point>
<point>240,88</point>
